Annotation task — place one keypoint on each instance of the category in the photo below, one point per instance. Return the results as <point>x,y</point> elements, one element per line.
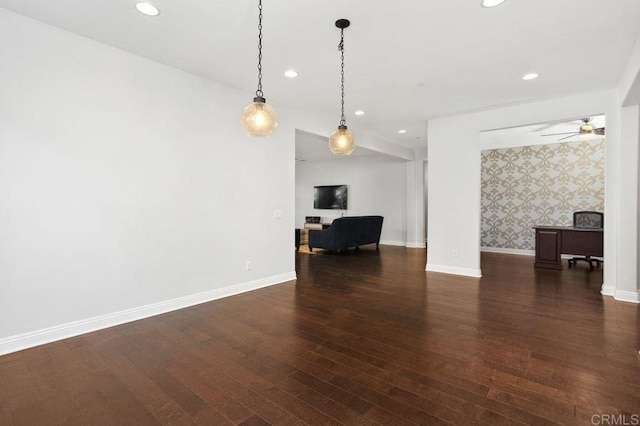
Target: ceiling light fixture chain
<point>343,119</point>
<point>258,119</point>
<point>341,141</point>
<point>259,91</point>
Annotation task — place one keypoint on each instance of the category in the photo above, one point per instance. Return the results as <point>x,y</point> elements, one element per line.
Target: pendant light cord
<point>343,119</point>
<point>259,91</point>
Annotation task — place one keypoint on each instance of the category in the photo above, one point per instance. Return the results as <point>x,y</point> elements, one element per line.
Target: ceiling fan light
<point>587,135</point>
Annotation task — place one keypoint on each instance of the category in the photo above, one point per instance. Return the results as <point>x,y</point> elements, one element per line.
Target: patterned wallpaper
<point>538,185</point>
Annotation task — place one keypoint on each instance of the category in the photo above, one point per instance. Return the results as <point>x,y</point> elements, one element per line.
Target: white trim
<point>627,296</point>
<point>519,252</point>
<point>467,272</point>
<point>415,245</point>
<point>607,290</point>
<point>64,331</point>
<point>393,243</point>
<point>402,244</point>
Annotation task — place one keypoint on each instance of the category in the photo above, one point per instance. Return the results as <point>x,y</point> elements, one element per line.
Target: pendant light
<point>342,142</point>
<point>258,119</point>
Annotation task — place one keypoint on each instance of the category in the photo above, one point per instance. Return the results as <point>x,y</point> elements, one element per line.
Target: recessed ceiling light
<point>290,74</point>
<point>147,9</point>
<point>492,3</point>
<point>402,131</point>
<point>359,112</point>
<point>530,76</point>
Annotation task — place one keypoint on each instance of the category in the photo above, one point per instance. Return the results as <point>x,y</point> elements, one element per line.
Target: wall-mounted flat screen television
<point>330,197</point>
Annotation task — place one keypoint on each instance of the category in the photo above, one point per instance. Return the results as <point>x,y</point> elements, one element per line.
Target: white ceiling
<point>406,61</point>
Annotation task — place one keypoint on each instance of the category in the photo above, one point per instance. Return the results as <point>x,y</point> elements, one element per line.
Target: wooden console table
<point>317,225</point>
<point>553,241</point>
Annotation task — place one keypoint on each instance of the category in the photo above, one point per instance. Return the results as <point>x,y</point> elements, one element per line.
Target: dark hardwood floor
<point>361,338</point>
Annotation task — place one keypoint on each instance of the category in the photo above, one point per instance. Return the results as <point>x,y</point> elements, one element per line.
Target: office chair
<point>587,220</point>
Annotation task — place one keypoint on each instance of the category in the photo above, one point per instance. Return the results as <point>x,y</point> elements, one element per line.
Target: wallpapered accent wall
<point>538,185</point>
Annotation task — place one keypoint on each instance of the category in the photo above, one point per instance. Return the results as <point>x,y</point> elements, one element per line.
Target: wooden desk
<point>552,241</point>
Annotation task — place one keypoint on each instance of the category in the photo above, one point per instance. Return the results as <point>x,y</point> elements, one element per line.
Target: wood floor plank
<point>363,338</point>
<point>6,418</point>
<point>256,377</point>
<point>20,388</point>
<point>145,389</point>
<point>261,406</point>
<point>166,411</point>
<point>178,391</point>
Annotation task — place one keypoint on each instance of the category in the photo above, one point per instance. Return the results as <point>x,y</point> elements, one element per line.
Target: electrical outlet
<point>454,253</point>
<point>277,214</point>
<point>249,265</point>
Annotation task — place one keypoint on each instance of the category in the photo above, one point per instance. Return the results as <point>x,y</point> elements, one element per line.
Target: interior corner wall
<point>454,177</point>
<point>454,197</point>
<point>629,95</point>
<point>638,207</point>
<point>415,207</point>
<point>375,187</point>
<point>627,288</point>
<point>425,199</point>
<point>127,188</point>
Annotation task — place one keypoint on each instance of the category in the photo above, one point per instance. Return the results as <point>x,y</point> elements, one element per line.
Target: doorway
<point>539,175</point>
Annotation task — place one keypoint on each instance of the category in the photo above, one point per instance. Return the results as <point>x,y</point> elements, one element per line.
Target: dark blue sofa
<point>347,232</point>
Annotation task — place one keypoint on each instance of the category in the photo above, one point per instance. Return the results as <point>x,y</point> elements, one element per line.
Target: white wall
<point>629,95</point>
<point>376,187</point>
<point>627,287</point>
<point>454,176</point>
<point>127,188</point>
<point>629,86</point>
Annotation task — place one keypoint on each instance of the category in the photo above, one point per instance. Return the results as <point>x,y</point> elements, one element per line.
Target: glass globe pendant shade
<point>342,142</point>
<point>258,119</point>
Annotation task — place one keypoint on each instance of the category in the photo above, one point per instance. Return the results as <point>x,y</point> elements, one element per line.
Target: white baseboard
<point>520,252</point>
<point>621,295</point>
<point>393,243</point>
<point>607,290</point>
<point>467,272</point>
<point>627,296</point>
<point>416,245</point>
<point>402,244</point>
<point>64,331</point>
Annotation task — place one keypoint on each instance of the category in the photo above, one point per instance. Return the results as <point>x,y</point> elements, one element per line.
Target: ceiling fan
<point>585,131</point>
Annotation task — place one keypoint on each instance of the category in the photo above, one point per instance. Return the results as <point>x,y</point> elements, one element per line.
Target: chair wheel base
<point>589,260</point>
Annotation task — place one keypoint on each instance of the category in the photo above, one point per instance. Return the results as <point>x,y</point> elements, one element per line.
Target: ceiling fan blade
<point>546,126</point>
<point>564,133</point>
<point>599,131</point>
<point>567,137</point>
